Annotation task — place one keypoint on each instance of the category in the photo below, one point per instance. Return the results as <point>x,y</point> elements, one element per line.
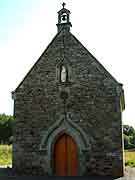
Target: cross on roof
<point>63,4</point>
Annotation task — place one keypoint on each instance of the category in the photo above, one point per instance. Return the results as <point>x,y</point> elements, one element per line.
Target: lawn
<point>6,156</point>
<point>130,158</point>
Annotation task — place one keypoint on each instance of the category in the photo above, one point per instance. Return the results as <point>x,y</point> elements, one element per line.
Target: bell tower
<point>64,19</point>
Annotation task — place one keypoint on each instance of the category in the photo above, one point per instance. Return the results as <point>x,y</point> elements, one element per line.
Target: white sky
<point>106,28</point>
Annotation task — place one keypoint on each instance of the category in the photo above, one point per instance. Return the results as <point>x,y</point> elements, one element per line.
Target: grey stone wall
<point>92,103</point>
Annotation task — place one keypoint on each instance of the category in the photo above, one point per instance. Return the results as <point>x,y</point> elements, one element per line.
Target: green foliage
<point>130,163</point>
<point>129,137</point>
<point>127,142</point>
<point>128,130</point>
<point>133,138</point>
<point>6,125</point>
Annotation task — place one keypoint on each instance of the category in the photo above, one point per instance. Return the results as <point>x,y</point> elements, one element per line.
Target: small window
<point>63,74</point>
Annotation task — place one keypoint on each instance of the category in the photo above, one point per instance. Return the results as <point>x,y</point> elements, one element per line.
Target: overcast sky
<point>106,28</point>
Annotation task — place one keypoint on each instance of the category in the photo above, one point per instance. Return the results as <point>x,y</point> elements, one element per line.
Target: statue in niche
<point>63,74</point>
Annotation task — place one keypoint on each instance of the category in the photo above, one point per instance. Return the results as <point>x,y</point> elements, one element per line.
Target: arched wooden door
<point>65,156</point>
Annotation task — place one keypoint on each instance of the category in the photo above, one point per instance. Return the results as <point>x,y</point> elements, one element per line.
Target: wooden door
<point>65,156</point>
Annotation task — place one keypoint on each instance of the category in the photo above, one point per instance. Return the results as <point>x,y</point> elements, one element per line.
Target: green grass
<point>130,158</point>
<point>5,155</point>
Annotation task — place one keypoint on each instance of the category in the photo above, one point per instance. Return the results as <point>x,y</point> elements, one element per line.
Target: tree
<point>128,130</point>
<point>133,138</point>
<point>129,137</point>
<point>6,125</point>
<point>126,141</point>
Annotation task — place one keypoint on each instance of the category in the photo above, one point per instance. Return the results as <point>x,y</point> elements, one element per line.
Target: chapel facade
<point>68,112</point>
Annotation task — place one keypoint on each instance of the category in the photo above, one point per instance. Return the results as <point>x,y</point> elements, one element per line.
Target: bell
<point>64,17</point>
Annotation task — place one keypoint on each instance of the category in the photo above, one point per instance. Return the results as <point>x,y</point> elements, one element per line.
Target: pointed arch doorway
<point>65,156</point>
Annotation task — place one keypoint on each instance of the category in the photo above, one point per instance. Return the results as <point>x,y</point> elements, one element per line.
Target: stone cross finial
<point>63,4</point>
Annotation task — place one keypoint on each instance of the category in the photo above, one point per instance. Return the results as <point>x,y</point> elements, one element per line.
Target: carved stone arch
<point>60,124</point>
<point>60,127</point>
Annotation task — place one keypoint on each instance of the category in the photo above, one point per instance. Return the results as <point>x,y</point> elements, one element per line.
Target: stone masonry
<point>88,106</point>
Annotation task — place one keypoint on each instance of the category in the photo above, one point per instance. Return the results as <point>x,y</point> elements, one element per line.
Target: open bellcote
<point>64,19</point>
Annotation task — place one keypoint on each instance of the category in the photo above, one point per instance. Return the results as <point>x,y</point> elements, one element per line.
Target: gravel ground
<point>129,174</point>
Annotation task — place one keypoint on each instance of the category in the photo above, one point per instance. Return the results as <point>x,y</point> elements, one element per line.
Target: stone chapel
<point>68,112</point>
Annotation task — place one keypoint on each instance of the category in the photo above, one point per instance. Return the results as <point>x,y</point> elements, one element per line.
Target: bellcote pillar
<point>64,19</point>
